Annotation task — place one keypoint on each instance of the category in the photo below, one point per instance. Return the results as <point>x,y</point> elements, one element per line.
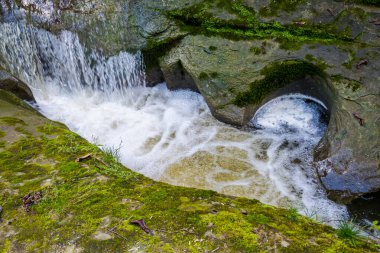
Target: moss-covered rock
<point>333,38</point>
<point>226,50</point>
<point>87,205</point>
<point>7,82</point>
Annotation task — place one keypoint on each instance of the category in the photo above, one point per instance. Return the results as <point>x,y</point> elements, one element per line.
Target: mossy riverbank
<point>87,206</point>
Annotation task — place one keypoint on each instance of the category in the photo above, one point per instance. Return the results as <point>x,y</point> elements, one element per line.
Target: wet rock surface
<point>9,83</point>
<point>225,50</point>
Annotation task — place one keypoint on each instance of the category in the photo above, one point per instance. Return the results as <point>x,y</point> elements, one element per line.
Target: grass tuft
<point>112,152</point>
<point>348,231</point>
<point>293,214</point>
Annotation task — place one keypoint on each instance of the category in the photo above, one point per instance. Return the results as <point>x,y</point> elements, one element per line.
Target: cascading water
<point>171,135</point>
<point>47,62</point>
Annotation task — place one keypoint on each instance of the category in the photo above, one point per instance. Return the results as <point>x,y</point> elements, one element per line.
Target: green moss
<point>256,50</point>
<point>310,58</point>
<point>357,13</point>
<point>320,63</point>
<point>259,218</point>
<point>199,19</point>
<point>350,84</point>
<point>198,206</point>
<point>22,130</point>
<point>82,199</point>
<point>276,76</point>
<point>351,60</point>
<point>12,121</point>
<point>2,134</point>
<point>6,246</point>
<point>239,234</point>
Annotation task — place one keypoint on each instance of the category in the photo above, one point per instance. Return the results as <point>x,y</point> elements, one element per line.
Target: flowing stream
<point>171,136</point>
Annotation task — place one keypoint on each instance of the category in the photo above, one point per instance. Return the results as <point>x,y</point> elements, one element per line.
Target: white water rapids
<point>171,136</point>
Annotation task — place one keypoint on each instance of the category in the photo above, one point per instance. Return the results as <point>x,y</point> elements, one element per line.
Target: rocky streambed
<point>235,57</point>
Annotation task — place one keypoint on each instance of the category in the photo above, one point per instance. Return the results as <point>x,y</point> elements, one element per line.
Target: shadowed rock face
<point>15,86</point>
<point>239,54</point>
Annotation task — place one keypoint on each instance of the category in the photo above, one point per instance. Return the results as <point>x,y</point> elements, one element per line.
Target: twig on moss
<point>82,158</point>
<point>90,155</point>
<point>116,233</point>
<point>101,161</point>
<point>141,223</point>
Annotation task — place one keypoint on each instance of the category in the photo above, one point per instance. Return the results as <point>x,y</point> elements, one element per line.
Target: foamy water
<point>171,135</point>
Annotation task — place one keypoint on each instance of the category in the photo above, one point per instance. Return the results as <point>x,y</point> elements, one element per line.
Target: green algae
<point>10,121</point>
<point>319,62</point>
<point>199,19</point>
<point>276,76</point>
<point>352,85</point>
<point>99,195</point>
<point>14,100</point>
<point>358,13</point>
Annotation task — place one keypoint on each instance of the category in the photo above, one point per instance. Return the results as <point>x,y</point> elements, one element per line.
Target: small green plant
<point>112,153</point>
<point>375,226</point>
<point>293,214</point>
<point>312,214</point>
<point>348,231</point>
<point>259,218</point>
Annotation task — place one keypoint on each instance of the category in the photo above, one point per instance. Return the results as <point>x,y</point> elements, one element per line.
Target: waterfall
<point>171,136</point>
<point>43,60</point>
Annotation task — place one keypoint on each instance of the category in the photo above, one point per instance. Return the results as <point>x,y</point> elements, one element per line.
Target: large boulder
<point>240,63</point>
<point>227,73</point>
